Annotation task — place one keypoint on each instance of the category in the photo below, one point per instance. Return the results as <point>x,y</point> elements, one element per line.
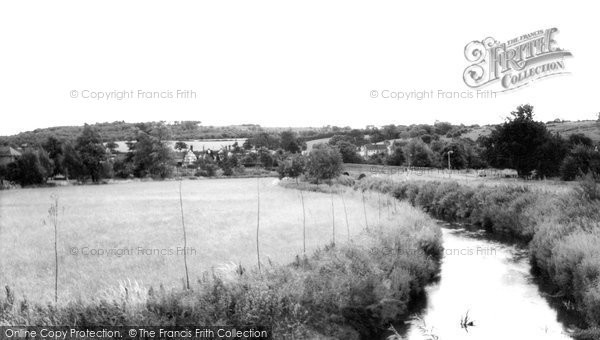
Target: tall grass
<point>562,228</point>
<point>352,289</point>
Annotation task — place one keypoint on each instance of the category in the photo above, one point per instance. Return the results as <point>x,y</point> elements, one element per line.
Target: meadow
<point>220,217</point>
<point>325,291</point>
<point>468,177</point>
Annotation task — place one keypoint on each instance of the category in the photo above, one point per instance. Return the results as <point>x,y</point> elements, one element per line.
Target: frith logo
<point>514,63</point>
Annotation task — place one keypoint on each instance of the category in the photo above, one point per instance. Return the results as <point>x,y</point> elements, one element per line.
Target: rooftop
<point>7,151</point>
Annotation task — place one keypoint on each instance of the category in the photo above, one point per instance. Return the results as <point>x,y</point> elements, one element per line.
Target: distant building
<point>8,155</point>
<point>369,150</point>
<point>189,158</point>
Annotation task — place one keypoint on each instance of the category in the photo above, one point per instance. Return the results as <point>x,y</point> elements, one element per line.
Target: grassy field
<point>464,177</point>
<point>220,216</point>
<point>355,288</point>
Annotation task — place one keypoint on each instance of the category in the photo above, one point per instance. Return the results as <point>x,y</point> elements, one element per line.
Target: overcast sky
<point>277,63</point>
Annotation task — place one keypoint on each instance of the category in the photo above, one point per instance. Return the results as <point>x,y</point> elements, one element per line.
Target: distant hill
<point>179,130</point>
<point>590,128</point>
<point>192,130</point>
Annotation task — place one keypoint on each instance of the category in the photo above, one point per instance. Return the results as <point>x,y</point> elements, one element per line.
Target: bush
<point>588,187</point>
<point>265,158</point>
<point>580,161</point>
<point>123,168</point>
<point>293,166</point>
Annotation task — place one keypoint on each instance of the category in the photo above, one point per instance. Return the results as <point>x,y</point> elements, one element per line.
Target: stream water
<point>491,281</point>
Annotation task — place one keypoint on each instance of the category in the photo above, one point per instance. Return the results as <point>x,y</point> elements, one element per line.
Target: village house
<point>189,158</point>
<point>8,155</point>
<point>370,149</point>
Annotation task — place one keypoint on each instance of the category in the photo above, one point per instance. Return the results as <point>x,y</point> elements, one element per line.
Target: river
<point>491,281</point>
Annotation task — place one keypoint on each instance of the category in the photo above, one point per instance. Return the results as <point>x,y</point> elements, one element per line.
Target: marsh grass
<point>562,227</point>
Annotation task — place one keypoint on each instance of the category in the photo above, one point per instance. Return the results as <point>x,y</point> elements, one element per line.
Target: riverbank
<point>562,229</point>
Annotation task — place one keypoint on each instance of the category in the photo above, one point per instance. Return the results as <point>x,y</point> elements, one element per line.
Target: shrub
<point>581,160</point>
<point>293,166</point>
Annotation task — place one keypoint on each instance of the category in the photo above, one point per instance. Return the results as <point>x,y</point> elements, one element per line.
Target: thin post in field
<point>187,276</point>
<point>378,207</point>
<point>346,214</point>
<point>365,209</point>
<point>257,221</point>
<point>53,215</point>
<point>332,215</point>
<point>303,218</point>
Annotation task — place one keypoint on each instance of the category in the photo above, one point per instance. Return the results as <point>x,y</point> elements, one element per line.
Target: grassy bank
<point>562,228</point>
<point>353,289</point>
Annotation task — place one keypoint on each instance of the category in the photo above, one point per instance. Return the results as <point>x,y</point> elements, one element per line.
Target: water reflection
<point>491,281</point>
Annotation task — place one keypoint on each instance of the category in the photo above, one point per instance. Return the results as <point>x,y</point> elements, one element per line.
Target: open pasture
<point>131,232</point>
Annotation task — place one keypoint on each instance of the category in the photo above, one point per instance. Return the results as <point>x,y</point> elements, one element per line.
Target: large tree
<point>349,152</point>
<point>151,154</point>
<point>91,152</point>
<point>71,162</point>
<point>290,142</point>
<point>54,147</point>
<point>418,153</point>
<point>396,157</point>
<point>523,144</point>
<point>324,162</point>
<point>28,169</point>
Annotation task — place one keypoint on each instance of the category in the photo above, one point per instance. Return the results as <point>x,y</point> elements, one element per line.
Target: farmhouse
<point>368,150</point>
<point>8,155</point>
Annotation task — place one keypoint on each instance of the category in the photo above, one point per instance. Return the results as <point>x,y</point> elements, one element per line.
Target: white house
<point>189,158</point>
<point>368,150</point>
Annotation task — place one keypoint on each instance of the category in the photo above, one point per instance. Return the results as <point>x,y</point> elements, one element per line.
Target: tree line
<point>520,143</point>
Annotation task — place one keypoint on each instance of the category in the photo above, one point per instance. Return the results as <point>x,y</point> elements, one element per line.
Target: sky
<point>278,63</point>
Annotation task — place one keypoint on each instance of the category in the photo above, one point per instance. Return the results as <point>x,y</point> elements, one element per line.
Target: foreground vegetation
<point>356,287</point>
<point>563,229</point>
